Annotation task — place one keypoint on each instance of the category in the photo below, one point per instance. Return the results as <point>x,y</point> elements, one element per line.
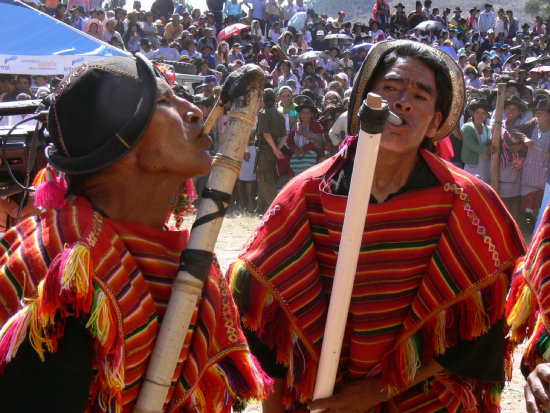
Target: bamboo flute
<point>243,89</point>
<point>348,254</point>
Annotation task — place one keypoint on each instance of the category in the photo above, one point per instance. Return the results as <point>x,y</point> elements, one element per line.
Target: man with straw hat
<point>424,331</point>
<point>84,286</point>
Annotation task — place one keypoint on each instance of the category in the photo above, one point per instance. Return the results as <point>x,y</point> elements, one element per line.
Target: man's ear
<point>436,121</point>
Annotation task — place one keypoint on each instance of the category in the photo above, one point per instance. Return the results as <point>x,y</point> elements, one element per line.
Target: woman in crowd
<point>476,141</point>
<point>150,29</point>
<point>221,55</point>
<point>94,28</point>
<point>512,155</point>
<point>306,140</point>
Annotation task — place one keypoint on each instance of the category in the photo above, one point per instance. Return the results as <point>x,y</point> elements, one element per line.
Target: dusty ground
<point>235,231</point>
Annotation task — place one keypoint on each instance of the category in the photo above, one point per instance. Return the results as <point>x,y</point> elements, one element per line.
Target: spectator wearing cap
<point>346,61</point>
<point>236,53</point>
<point>417,16</point>
<point>486,19</point>
<point>443,18</point>
<point>286,75</point>
<point>173,30</point>
<point>455,20</point>
<point>398,19</point>
<point>206,54</point>
<point>207,39</point>
<point>488,42</point>
<point>208,87</point>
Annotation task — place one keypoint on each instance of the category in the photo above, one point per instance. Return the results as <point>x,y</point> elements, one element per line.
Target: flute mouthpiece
<point>394,119</point>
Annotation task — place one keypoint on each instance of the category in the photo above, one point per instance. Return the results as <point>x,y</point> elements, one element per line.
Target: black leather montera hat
<point>99,113</point>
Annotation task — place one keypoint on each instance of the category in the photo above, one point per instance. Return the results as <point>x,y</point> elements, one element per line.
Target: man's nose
<point>403,102</point>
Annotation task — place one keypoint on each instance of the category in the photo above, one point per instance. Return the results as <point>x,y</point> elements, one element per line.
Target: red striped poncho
<point>118,276</point>
<point>528,309</point>
<point>434,268</point>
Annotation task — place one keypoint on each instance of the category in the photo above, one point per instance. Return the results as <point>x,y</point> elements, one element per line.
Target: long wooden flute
<point>243,88</point>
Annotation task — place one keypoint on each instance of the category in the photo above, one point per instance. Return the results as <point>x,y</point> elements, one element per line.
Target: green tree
<point>532,7</point>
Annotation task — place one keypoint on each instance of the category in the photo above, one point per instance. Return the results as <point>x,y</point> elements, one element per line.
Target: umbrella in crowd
<point>541,69</point>
<point>430,26</point>
<point>338,36</point>
<point>231,30</point>
<point>365,46</point>
<point>310,56</point>
<point>298,20</point>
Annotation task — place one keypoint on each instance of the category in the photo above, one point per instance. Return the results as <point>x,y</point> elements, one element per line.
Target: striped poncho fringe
<point>70,263</point>
<point>528,308</point>
<point>277,287</point>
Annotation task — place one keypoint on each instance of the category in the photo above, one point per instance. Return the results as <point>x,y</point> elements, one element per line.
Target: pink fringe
<point>51,193</point>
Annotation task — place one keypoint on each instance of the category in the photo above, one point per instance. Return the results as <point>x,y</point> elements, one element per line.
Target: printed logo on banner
<point>6,67</point>
<point>73,63</point>
<point>80,59</point>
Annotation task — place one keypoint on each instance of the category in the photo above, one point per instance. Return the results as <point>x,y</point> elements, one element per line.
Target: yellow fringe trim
<point>78,270</point>
<point>412,360</point>
<point>439,333</point>
<point>99,318</point>
<point>521,312</point>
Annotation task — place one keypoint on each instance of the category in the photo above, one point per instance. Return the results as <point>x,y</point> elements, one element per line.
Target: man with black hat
<point>425,328</point>
<point>486,19</point>
<point>417,16</point>
<point>399,18</point>
<point>455,20</point>
<point>84,286</point>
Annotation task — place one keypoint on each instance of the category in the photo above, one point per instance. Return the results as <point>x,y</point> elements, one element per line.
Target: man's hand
<point>278,154</point>
<point>536,390</point>
<point>356,396</point>
<point>491,149</point>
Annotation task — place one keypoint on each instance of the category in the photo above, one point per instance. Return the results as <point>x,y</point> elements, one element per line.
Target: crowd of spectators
<point>310,60</point>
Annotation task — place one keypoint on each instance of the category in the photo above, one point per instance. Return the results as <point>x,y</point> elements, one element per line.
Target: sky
<point>146,4</point>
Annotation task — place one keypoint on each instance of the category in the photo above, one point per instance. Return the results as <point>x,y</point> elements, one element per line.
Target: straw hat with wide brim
<point>377,54</point>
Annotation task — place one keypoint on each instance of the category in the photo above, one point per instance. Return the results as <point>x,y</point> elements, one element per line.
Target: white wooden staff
<point>243,89</point>
<point>348,254</point>
<point>496,138</point>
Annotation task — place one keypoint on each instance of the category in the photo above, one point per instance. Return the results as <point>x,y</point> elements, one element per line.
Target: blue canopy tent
<point>35,43</point>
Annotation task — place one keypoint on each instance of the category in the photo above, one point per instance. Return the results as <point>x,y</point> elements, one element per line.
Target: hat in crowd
<point>158,22</point>
<point>175,17</point>
<point>377,53</point>
<point>342,12</point>
<point>477,103</point>
<point>303,101</point>
<point>490,31</point>
<point>457,9</point>
<point>488,5</point>
<point>145,42</point>
<point>86,132</point>
<point>541,102</point>
<point>516,100</point>
<point>320,33</point>
<point>341,76</point>
<point>399,5</point>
